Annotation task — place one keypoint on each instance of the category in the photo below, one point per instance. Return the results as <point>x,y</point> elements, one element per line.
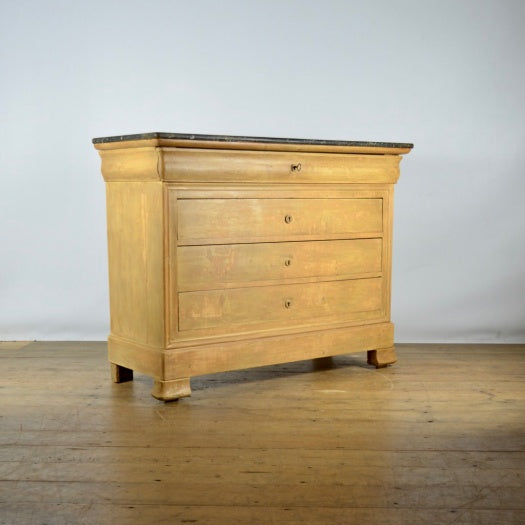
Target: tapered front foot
<point>120,374</point>
<point>382,357</point>
<point>171,390</point>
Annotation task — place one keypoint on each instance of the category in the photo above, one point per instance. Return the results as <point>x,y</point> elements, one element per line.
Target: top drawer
<point>219,221</point>
<point>211,165</point>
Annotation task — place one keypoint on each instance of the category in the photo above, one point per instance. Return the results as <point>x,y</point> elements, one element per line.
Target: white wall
<point>447,75</point>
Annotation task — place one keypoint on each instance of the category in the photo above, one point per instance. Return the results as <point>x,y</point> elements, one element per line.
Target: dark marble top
<point>264,140</point>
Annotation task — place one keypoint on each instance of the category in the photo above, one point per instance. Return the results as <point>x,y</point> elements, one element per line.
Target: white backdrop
<point>448,75</point>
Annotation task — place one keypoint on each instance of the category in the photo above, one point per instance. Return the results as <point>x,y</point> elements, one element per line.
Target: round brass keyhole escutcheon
<point>287,262</point>
<point>288,219</point>
<point>287,303</point>
<point>295,167</point>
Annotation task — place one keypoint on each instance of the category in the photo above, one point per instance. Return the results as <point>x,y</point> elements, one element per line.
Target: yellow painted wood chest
<point>234,252</point>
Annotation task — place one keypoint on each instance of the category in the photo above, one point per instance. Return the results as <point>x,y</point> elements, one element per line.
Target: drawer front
<point>281,305</point>
<point>215,165</point>
<point>218,266</point>
<point>218,221</point>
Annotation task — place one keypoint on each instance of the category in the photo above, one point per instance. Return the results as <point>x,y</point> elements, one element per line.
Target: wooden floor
<point>437,438</point>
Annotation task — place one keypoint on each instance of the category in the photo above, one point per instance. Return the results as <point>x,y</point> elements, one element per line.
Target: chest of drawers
<point>235,252</point>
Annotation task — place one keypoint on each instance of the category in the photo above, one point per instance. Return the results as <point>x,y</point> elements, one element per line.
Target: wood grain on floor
<point>437,438</point>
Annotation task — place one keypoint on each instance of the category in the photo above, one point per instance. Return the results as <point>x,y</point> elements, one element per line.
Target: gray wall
<point>446,75</point>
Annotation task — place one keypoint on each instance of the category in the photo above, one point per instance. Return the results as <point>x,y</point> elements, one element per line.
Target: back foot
<point>382,357</point>
<point>120,374</point>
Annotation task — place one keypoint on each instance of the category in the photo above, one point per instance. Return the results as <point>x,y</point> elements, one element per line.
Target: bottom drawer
<point>281,305</point>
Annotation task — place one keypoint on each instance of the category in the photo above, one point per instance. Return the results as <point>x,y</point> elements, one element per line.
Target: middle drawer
<point>220,266</point>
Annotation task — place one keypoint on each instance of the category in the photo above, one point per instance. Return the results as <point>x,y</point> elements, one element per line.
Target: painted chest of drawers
<point>235,252</point>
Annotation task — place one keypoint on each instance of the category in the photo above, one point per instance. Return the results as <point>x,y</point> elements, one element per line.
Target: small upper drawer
<point>219,221</point>
<point>228,265</point>
<point>215,165</point>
